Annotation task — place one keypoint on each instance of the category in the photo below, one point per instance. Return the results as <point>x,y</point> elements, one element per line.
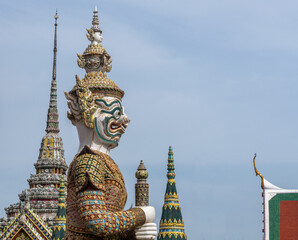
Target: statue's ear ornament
<point>86,102</point>
<point>89,34</point>
<point>75,114</point>
<point>81,61</point>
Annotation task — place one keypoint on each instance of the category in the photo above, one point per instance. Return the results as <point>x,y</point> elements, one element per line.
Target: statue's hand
<point>149,213</point>
<point>147,231</point>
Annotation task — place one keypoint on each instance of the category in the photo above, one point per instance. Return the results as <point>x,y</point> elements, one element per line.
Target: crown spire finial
<point>95,21</point>
<point>94,33</point>
<point>95,16</point>
<point>52,118</point>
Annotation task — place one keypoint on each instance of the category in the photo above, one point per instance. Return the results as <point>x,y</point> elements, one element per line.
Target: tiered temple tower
<point>171,225</point>
<point>44,184</point>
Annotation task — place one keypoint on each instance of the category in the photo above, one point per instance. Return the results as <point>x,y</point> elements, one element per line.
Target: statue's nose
<point>126,119</point>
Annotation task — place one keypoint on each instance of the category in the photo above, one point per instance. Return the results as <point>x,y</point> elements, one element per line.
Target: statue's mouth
<point>116,127</point>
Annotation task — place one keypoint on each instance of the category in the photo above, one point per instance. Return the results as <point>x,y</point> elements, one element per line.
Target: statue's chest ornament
<point>112,166</point>
<point>114,185</point>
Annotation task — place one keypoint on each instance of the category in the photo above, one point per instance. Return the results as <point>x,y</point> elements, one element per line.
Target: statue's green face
<point>110,121</point>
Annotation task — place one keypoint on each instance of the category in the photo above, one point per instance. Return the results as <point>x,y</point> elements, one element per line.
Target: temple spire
<point>171,226</point>
<point>52,118</point>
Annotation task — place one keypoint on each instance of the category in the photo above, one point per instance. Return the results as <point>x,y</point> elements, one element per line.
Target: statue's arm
<point>102,222</point>
<point>91,195</point>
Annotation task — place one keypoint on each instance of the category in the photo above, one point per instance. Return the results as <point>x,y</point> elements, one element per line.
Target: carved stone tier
<point>51,155</point>
<point>44,179</point>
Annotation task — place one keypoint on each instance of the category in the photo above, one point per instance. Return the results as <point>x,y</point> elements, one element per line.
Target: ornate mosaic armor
<point>96,198</point>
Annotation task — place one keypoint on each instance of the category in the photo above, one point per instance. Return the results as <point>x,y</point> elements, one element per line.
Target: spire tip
<point>56,15</point>
<point>52,117</point>
<point>171,166</point>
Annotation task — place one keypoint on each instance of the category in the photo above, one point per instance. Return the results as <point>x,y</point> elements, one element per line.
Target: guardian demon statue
<point>96,193</point>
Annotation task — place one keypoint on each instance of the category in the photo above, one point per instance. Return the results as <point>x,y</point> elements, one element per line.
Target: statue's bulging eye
<point>117,114</point>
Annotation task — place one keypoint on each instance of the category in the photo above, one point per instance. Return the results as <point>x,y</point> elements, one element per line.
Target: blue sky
<point>217,80</point>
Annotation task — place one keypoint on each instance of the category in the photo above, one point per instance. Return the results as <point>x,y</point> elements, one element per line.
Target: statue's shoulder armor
<point>88,170</point>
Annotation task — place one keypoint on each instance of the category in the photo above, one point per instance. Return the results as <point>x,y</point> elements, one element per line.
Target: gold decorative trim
<point>263,187</point>
<point>257,172</point>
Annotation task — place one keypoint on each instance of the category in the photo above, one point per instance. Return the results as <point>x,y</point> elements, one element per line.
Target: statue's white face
<point>97,37</point>
<point>110,121</point>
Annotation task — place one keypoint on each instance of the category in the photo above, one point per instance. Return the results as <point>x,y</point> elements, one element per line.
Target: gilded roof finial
<point>52,118</point>
<point>141,173</point>
<point>142,187</point>
<point>257,172</point>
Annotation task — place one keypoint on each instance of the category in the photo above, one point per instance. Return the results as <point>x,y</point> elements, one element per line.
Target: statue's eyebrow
<point>112,111</point>
<point>107,104</point>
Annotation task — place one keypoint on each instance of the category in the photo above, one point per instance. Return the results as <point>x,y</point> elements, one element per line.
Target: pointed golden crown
<point>96,61</point>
